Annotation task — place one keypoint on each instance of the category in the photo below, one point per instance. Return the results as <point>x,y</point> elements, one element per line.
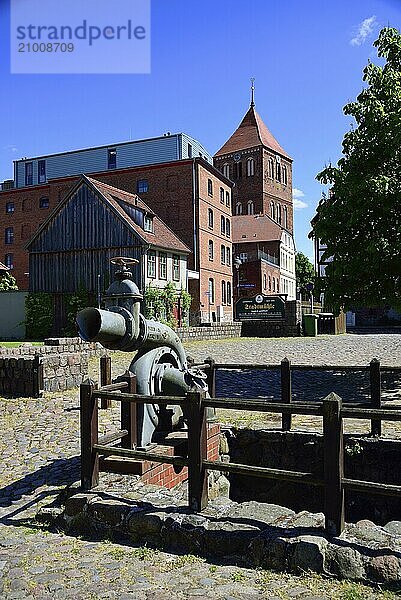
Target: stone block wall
<point>214,332</point>
<point>60,364</point>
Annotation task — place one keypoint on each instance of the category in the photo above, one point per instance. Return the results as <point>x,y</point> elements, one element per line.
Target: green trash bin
<point>310,325</point>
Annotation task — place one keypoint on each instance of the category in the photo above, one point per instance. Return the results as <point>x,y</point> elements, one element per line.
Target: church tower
<point>260,168</point>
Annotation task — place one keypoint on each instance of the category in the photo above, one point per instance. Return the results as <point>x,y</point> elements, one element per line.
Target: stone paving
<point>39,449</point>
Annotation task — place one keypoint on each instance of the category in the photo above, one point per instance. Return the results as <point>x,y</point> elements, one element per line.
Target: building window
<point>148,223</point>
<point>272,211</point>
<point>279,213</point>
<point>111,158</point>
<point>237,170</point>
<point>264,281</point>
<point>226,170</point>
<point>210,187</point>
<point>223,255</point>
<point>9,261</point>
<point>142,186</point>
<point>284,174</point>
<point>41,171</point>
<point>285,217</point>
<point>189,150</point>
<point>228,256</point>
<point>221,195</point>
<point>151,264</point>
<point>228,199</point>
<point>176,267</point>
<point>44,202</point>
<point>9,235</point>
<point>250,209</point>
<point>250,167</point>
<point>28,173</point>
<point>211,252</point>
<point>211,291</point>
<point>223,293</point>
<point>270,284</point>
<point>278,171</point>
<point>10,207</point>
<point>228,228</point>
<point>222,225</point>
<point>271,168</point>
<point>162,265</point>
<point>238,208</point>
<point>228,292</point>
<point>210,218</point>
<point>274,285</point>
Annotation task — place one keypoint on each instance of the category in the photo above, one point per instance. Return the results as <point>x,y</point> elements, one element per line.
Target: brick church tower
<point>260,168</point>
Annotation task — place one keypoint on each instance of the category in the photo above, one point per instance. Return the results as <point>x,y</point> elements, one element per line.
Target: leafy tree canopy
<point>8,283</point>
<point>304,270</point>
<point>360,221</point>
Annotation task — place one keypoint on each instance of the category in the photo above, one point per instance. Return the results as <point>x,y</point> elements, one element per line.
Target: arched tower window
<point>272,211</point>
<point>250,167</point>
<point>238,208</point>
<point>278,171</point>
<point>271,168</point>
<point>285,217</point>
<point>250,208</point>
<point>279,213</point>
<point>226,170</point>
<point>284,174</point>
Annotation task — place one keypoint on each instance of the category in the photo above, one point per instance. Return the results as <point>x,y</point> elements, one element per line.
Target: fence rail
<point>330,409</point>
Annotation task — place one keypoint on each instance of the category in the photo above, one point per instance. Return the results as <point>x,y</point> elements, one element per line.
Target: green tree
<point>360,221</point>
<point>304,270</point>
<point>8,283</point>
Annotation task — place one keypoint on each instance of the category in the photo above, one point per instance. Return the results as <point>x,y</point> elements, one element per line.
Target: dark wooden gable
<point>76,245</point>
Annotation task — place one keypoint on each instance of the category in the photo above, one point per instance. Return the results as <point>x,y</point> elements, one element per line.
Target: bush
<point>39,315</point>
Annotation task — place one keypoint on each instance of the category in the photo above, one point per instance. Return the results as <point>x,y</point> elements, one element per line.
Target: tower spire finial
<point>252,91</point>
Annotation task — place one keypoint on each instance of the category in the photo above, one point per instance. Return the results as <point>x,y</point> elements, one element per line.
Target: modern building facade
<point>169,147</point>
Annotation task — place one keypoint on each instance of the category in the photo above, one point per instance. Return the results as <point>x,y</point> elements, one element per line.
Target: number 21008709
<point>45,47</point>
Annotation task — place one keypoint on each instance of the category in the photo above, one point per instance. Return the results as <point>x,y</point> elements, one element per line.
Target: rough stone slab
<point>255,534</point>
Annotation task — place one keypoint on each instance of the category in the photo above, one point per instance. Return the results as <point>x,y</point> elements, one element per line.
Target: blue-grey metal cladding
<point>77,244</point>
<point>95,160</point>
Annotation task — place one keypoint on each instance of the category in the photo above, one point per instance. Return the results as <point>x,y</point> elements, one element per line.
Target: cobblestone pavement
<point>39,447</point>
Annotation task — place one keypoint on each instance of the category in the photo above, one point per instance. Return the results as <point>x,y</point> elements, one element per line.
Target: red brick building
<point>264,251</point>
<point>191,196</point>
<point>261,170</point>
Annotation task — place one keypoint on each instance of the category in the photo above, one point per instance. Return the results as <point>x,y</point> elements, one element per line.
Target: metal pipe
<point>97,325</point>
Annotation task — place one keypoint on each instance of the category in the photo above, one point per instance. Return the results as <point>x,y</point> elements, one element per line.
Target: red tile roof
<point>162,237</point>
<point>251,132</point>
<point>255,228</point>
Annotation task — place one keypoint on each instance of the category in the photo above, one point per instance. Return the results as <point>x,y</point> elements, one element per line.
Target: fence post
<point>105,378</point>
<point>89,435</point>
<point>375,395</point>
<point>129,413</point>
<point>333,456</point>
<point>211,377</point>
<point>197,451</point>
<point>286,392</point>
<point>38,382</point>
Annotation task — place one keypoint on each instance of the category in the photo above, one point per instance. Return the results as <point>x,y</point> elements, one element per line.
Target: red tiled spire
<point>250,133</point>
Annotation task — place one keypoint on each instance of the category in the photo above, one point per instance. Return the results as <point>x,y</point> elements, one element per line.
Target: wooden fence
<point>194,405</point>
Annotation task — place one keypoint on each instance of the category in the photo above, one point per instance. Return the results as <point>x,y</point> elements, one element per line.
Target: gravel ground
<point>39,449</point>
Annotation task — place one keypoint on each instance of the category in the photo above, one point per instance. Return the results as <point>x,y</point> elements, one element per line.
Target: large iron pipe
<point>97,325</point>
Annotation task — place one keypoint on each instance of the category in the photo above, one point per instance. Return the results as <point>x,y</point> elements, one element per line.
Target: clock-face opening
<point>237,156</point>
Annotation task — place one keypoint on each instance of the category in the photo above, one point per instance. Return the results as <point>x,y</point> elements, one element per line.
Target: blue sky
<point>307,58</point>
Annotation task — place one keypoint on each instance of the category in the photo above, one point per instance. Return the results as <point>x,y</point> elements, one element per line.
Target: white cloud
<point>10,148</point>
<point>297,194</point>
<point>364,30</point>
